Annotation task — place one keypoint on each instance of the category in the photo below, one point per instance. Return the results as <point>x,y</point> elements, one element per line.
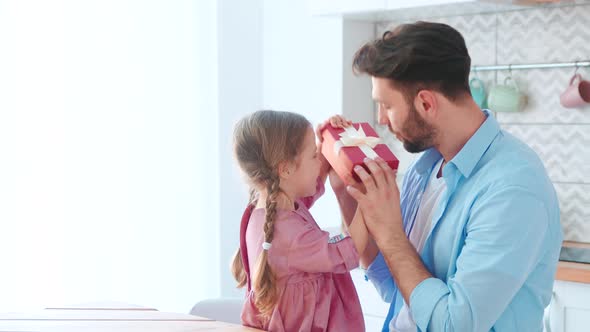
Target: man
<point>473,242</point>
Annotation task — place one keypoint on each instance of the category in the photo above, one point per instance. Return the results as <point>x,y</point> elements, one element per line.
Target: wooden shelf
<point>577,272</point>
<point>570,271</point>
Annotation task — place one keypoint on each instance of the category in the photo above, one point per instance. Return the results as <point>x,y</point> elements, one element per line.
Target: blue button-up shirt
<point>494,242</point>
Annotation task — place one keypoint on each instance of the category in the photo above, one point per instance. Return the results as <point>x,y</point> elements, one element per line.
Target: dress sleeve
<point>319,191</point>
<point>313,251</point>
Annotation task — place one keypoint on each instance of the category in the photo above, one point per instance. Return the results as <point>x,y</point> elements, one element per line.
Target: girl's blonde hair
<point>262,141</point>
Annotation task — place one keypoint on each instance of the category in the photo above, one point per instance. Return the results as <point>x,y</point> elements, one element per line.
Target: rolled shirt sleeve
<point>503,243</point>
<point>379,275</point>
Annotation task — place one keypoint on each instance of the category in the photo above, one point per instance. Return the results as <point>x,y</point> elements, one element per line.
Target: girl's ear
<point>285,169</point>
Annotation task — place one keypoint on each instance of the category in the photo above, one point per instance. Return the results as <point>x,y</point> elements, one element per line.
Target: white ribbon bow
<point>353,137</point>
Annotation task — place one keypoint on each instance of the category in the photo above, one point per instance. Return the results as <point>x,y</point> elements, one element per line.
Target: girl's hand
<point>337,121</point>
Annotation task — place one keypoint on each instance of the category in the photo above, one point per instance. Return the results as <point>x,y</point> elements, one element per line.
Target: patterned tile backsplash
<point>560,136</point>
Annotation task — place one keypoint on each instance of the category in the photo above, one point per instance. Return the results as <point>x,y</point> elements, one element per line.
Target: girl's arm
<point>348,208</point>
<point>325,168</point>
<point>359,233</point>
<point>313,250</point>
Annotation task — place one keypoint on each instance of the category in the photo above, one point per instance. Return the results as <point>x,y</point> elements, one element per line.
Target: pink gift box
<point>344,158</point>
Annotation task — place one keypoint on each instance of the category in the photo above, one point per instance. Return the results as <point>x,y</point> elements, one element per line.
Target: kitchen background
<point>117,180</point>
<point>560,136</point>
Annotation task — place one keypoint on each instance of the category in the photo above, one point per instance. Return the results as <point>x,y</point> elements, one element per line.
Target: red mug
<point>577,93</point>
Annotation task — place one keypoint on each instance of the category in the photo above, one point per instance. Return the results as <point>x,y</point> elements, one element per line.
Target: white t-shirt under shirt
<point>431,197</point>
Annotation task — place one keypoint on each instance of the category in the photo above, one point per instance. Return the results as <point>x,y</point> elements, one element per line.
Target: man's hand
<point>380,203</point>
<point>380,206</point>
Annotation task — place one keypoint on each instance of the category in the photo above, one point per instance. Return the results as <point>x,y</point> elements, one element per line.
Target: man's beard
<point>423,133</point>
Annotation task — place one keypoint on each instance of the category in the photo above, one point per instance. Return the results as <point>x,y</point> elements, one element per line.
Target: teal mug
<point>478,92</point>
<point>506,97</point>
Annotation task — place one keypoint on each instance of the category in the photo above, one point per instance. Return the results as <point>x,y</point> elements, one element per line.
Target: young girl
<point>296,276</point>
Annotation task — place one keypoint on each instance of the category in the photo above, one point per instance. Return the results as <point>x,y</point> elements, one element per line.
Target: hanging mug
<point>478,92</point>
<point>506,97</point>
<point>577,93</point>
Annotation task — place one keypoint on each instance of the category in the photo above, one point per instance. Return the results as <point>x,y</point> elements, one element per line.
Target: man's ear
<point>426,103</point>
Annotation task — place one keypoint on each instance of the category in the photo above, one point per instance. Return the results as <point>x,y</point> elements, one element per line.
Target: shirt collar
<point>427,161</point>
<point>477,145</point>
<point>471,152</point>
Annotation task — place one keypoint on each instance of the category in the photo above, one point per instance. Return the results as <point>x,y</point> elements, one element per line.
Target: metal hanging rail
<point>576,64</point>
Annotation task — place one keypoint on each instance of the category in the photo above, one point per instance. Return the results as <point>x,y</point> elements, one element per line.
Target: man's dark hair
<point>421,55</point>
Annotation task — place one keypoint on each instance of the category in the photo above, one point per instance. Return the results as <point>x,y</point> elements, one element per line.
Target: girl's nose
<point>381,116</point>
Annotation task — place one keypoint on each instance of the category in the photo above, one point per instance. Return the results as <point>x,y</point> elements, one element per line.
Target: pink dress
<point>316,292</point>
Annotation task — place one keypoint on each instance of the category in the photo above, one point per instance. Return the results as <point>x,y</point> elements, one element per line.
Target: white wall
<point>302,72</point>
<point>287,60</point>
<point>105,108</point>
<point>281,59</point>
<point>117,180</point>
<point>357,103</point>
<point>240,93</point>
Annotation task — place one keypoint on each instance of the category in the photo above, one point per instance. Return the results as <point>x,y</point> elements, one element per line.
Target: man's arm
<point>506,237</point>
<point>403,261</point>
<point>504,241</point>
<point>381,208</point>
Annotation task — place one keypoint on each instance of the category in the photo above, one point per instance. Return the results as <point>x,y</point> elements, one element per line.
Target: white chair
<point>224,309</point>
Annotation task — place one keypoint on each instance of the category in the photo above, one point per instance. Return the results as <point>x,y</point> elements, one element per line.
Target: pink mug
<point>577,93</point>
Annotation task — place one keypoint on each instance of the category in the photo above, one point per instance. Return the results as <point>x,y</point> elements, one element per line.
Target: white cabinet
<point>404,10</point>
<point>344,7</point>
<point>402,4</point>
<point>570,307</point>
